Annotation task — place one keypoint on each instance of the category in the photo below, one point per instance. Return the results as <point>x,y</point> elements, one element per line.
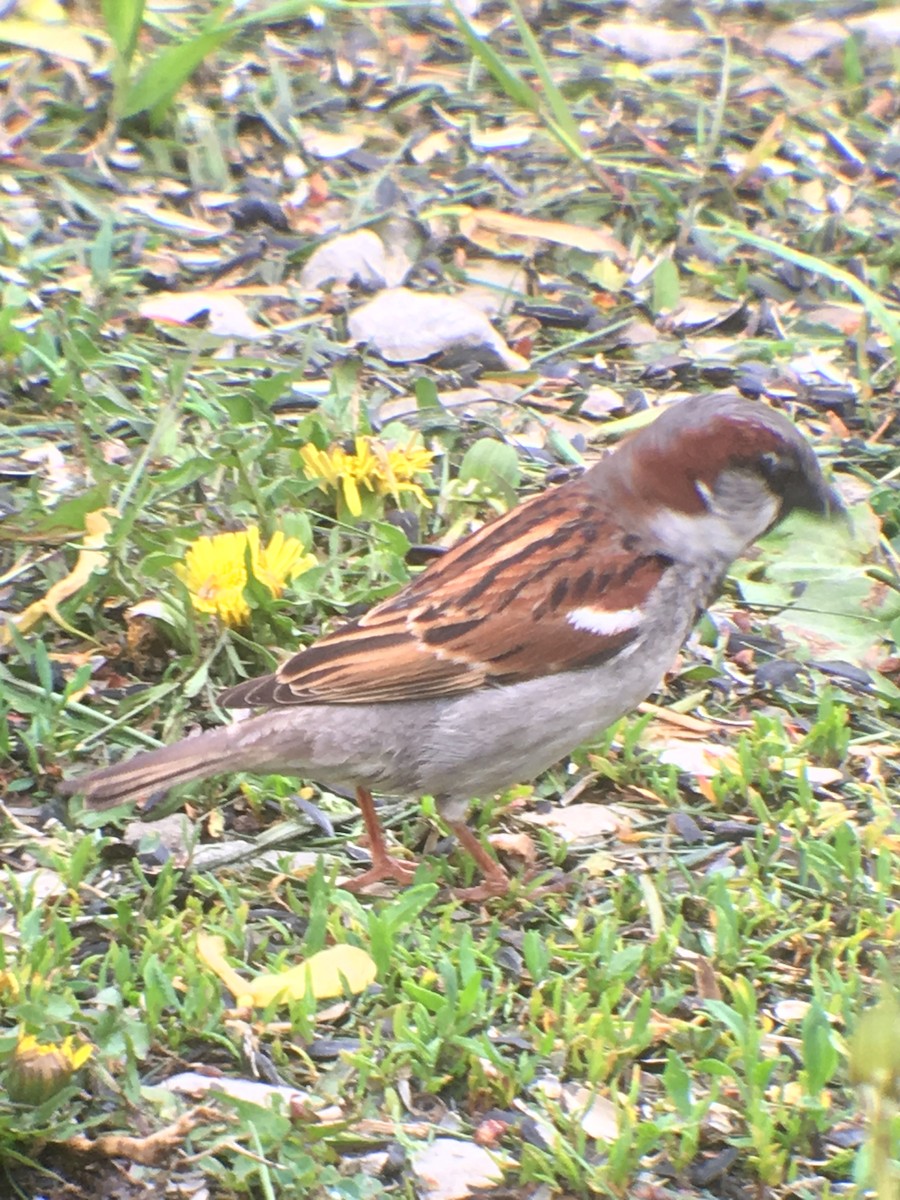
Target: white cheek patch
<point>697,538</point>
<point>603,621</point>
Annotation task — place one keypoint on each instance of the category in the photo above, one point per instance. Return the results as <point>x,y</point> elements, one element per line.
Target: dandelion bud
<point>38,1071</point>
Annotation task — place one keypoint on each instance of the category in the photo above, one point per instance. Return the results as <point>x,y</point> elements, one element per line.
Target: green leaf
<point>563,448</point>
<point>495,465</point>
<point>197,681</point>
<point>240,408</point>
<point>537,955</point>
<point>123,24</point>
<point>101,251</point>
<point>158,82</point>
<point>68,515</point>
<point>666,286</point>
<point>732,1020</point>
<point>299,526</point>
<point>392,538</point>
<point>820,1058</point>
<point>426,393</point>
<point>817,577</point>
<point>677,1082</point>
<point>854,71</point>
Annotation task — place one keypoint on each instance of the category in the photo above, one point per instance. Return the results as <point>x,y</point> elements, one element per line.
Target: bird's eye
<point>775,469</point>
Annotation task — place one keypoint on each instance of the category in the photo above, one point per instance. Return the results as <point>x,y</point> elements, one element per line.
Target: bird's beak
<point>823,500</point>
<point>833,506</point>
<point>810,492</point>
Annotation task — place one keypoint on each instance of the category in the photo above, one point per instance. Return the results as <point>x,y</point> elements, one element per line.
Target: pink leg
<point>384,865</point>
<point>496,880</point>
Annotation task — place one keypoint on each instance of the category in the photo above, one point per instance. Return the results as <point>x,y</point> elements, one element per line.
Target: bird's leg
<point>496,880</point>
<point>384,865</point>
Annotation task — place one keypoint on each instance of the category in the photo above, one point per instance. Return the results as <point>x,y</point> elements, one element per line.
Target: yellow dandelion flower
<point>281,561</point>
<point>9,986</point>
<point>342,472</point>
<point>324,465</point>
<point>215,570</point>
<point>38,1070</point>
<point>397,469</point>
<point>379,469</point>
<point>215,574</point>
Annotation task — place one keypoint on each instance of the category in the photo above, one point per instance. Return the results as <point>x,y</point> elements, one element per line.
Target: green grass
<point>683,1015</point>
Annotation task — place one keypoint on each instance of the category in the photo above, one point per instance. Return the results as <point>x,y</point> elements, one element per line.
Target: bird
<point>524,640</point>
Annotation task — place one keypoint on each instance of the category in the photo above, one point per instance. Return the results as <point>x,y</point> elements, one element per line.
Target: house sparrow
<point>527,638</point>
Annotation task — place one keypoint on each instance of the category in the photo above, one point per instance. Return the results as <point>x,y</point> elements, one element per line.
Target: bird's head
<point>716,472</point>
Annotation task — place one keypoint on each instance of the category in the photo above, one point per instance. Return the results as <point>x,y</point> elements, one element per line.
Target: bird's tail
<point>212,753</point>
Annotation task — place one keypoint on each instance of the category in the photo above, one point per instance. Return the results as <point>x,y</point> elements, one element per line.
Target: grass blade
<point>157,84</point>
<point>513,84</point>
<point>871,301</point>
<point>123,20</point>
<point>562,114</point>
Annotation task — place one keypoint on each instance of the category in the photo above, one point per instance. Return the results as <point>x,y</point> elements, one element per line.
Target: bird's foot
<point>545,883</point>
<point>489,889</point>
<point>385,866</point>
<point>532,886</point>
<point>496,882</point>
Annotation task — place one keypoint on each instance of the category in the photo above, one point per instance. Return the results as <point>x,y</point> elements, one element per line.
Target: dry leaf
<point>706,980</point>
<point>320,143</point>
<point>324,974</point>
<point>192,1083</point>
<point>58,39</point>
<point>805,39</point>
<point>882,25</point>
<point>91,558</point>
<point>407,326</point>
<point>577,822</point>
<point>766,146</point>
<point>644,41</point>
<point>501,137</point>
<point>519,844</point>
<point>681,720</point>
<point>449,1169</point>
<point>39,884</point>
<point>505,232</point>
<point>702,760</point>
<point>786,1011</point>
<point>226,314</point>
<point>698,312</point>
<point>847,319</point>
<point>441,141</point>
<point>175,833</point>
<point>147,1150</point>
<point>506,281</point>
<point>169,219</point>
<point>599,1117</point>
<point>360,256</point>
<point>59,473</point>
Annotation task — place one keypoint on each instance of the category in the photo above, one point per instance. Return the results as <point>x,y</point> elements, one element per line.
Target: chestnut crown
<point>697,452</point>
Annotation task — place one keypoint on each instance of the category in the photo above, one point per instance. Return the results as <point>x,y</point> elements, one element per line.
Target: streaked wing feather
<point>445,633</point>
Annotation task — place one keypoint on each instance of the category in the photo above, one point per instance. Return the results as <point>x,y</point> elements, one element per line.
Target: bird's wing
<point>554,585</point>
